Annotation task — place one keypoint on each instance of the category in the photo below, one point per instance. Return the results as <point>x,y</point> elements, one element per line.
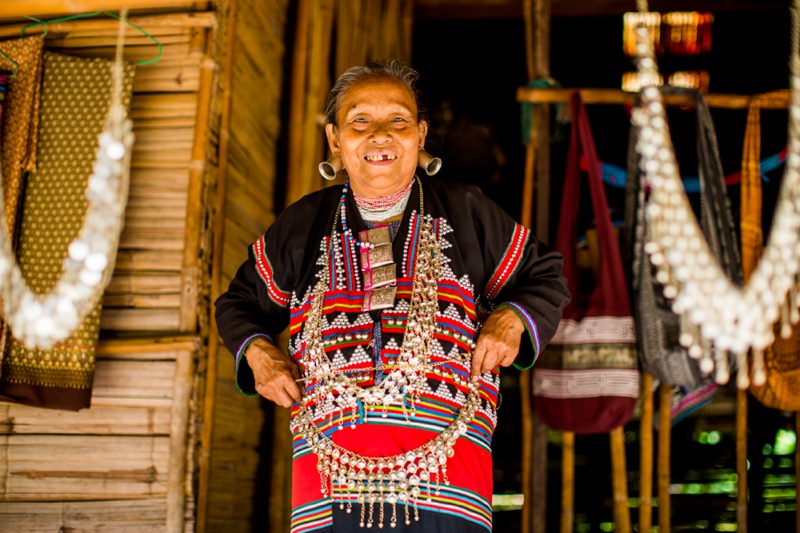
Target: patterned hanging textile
<point>75,99</point>
<point>781,389</point>
<point>21,121</point>
<point>658,327</point>
<point>19,129</point>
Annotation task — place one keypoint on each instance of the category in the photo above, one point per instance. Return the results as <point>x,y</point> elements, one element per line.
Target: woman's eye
<point>361,120</point>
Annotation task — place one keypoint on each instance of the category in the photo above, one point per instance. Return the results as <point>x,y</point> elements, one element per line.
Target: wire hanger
<point>38,22</point>
<point>16,66</point>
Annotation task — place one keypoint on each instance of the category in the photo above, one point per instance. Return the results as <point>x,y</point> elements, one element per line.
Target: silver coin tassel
<point>717,316</point>
<point>41,320</point>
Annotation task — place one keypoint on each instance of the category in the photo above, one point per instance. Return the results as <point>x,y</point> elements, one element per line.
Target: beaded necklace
<point>384,201</point>
<point>389,479</point>
<point>385,207</point>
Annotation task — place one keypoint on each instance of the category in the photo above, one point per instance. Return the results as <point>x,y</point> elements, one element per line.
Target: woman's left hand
<point>498,342</point>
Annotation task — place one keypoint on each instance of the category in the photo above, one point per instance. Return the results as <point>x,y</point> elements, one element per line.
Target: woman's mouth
<point>381,157</point>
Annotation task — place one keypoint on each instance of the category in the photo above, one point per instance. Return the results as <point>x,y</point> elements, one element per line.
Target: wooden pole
<point>178,439</point>
<point>195,208</point>
<point>542,120</point>
<point>190,279</point>
<point>209,394</point>
<point>408,30</point>
<point>619,481</point>
<point>526,397</point>
<point>567,481</point>
<point>297,102</point>
<point>664,438</point>
<point>526,377</point>
<point>534,433</point>
<point>741,460</point>
<point>309,179</point>
<point>646,455</point>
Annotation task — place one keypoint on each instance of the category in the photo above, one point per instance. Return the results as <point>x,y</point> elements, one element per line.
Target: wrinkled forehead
<point>376,92</point>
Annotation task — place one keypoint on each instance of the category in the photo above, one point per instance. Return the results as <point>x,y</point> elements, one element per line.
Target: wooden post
<point>218,224</point>
<point>526,398</point>
<point>646,455</point>
<point>664,438</point>
<point>178,439</point>
<point>567,481</point>
<point>542,120</point>
<point>534,433</point>
<point>297,102</point>
<point>741,460</point>
<point>619,480</point>
<point>195,208</point>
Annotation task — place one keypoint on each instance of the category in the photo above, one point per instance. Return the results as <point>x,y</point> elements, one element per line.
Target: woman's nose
<point>381,131</point>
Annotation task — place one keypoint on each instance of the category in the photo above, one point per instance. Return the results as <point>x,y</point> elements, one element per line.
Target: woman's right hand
<point>274,373</point>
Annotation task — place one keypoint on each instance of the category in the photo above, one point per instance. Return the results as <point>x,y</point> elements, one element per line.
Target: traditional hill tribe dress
<point>390,432</point>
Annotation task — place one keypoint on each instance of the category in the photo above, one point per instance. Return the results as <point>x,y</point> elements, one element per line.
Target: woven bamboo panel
<point>127,464</point>
<point>145,294</point>
<point>177,71</point>
<point>143,516</point>
<point>236,467</point>
<point>66,467</point>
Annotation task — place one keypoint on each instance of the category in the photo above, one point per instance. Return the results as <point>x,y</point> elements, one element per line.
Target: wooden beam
<point>496,9</point>
<point>61,29</point>
<point>57,8</point>
<point>620,97</point>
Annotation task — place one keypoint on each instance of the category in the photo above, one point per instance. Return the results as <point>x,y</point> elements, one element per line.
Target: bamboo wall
<point>129,463</point>
<point>249,136</point>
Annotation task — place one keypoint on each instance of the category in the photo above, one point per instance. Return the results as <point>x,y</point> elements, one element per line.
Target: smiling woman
<point>378,133</point>
<point>403,299</point>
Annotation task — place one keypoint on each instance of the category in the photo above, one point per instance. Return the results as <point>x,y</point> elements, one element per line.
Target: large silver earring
<point>431,164</point>
<point>329,168</point>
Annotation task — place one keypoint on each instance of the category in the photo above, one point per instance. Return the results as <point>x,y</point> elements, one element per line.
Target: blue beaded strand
<point>343,207</point>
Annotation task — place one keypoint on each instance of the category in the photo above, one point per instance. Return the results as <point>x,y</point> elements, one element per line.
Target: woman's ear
<point>423,132</point>
<point>333,138</point>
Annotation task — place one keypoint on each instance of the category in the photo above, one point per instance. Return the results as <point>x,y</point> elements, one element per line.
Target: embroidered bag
<point>587,380</point>
<point>781,390</point>
<point>657,328</point>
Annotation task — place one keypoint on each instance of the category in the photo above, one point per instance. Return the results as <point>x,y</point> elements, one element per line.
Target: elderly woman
<point>402,296</point>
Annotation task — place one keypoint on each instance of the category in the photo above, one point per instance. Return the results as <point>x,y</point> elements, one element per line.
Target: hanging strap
<point>609,297</point>
<point>781,361</point>
<point>752,234</point>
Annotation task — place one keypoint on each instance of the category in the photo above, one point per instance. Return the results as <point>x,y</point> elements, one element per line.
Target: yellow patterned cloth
<point>74,104</point>
<point>21,119</point>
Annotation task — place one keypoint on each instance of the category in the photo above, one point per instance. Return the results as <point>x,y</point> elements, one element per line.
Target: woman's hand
<point>498,342</point>
<point>274,373</point>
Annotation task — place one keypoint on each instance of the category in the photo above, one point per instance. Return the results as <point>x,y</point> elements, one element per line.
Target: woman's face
<point>378,136</point>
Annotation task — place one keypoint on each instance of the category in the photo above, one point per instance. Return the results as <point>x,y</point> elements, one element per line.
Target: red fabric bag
<point>587,380</point>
